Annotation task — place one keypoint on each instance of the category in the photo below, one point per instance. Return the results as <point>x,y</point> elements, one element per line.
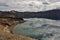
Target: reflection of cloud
<point>25,5</point>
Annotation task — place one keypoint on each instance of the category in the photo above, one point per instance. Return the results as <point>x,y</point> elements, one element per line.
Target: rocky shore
<point>6,27</point>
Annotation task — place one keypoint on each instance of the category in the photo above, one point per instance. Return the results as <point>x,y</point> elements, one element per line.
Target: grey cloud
<point>3,4</point>
<point>54,1</point>
<point>24,5</point>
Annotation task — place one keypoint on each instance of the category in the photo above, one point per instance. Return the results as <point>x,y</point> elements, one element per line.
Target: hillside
<point>50,14</point>
<point>7,24</point>
<point>9,19</point>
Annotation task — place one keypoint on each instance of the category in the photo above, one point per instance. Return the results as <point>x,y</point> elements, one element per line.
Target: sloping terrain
<point>50,14</point>
<point>6,27</point>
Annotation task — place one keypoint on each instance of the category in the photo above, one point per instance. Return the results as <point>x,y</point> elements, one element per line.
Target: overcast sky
<point>24,5</point>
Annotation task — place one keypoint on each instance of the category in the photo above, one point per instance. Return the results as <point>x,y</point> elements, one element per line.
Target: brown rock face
<point>9,36</point>
<point>6,27</point>
<point>9,23</point>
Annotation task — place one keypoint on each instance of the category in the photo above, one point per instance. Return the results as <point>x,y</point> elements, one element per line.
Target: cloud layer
<point>27,5</point>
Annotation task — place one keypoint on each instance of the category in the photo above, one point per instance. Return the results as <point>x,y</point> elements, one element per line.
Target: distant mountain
<point>50,14</point>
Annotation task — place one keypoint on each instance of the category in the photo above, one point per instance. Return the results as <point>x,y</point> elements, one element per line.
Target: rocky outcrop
<point>10,22</point>
<point>6,26</point>
<point>5,35</point>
